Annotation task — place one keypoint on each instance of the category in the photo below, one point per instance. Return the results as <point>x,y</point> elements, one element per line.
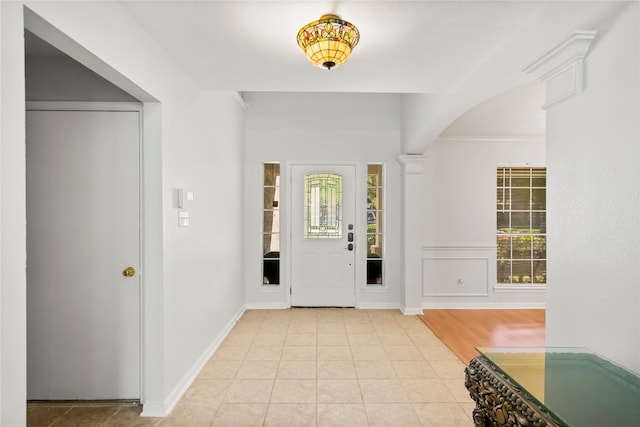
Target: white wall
<point>283,127</point>
<point>594,201</point>
<point>460,221</point>
<point>13,355</point>
<point>193,276</point>
<point>60,78</point>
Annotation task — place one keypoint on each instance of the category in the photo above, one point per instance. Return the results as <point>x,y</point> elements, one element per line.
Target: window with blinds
<point>521,225</point>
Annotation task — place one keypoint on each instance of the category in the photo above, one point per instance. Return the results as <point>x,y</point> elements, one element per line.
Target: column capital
<point>411,163</point>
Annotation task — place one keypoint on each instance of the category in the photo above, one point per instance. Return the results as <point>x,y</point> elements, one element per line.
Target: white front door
<point>83,319</point>
<point>323,223</point>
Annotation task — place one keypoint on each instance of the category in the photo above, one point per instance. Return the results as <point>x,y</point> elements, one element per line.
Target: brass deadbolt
<point>129,272</point>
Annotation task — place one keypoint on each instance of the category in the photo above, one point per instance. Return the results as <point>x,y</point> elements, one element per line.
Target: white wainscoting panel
<point>452,271</point>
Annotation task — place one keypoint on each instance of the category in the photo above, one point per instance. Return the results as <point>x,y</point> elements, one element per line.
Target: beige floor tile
<point>235,338</point>
<point>342,415</point>
<point>365,339</point>
<point>437,352</point>
<point>258,369</point>
<point>359,328</point>
<point>468,408</point>
<point>382,391</point>
<point>453,369</point>
<point>297,369</point>
<point>442,415</point>
<point>264,352</point>
<point>395,339</point>
<point>300,352</point>
<point>388,328</point>
<point>249,391</point>
<point>184,415</point>
<point>334,352</point>
<point>369,352</point>
<point>302,327</point>
<point>375,369</point>
<point>332,339</point>
<point>220,369</point>
<point>339,391</point>
<point>296,339</point>
<point>414,369</point>
<point>254,316</point>
<point>403,352</point>
<point>391,415</point>
<point>355,316</point>
<point>332,369</point>
<point>230,352</point>
<point>416,328</point>
<point>424,339</point>
<point>206,391</point>
<point>240,415</point>
<point>427,391</point>
<point>290,415</point>
<point>330,316</point>
<point>457,388</point>
<point>294,391</point>
<point>269,339</point>
<point>274,327</point>
<point>331,328</point>
<point>246,327</point>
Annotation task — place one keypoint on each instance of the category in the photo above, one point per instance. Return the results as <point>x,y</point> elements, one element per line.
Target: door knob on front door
<point>129,272</point>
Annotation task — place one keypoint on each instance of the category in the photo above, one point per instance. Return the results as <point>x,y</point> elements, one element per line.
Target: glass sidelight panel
<point>271,225</point>
<point>323,206</point>
<point>375,214</point>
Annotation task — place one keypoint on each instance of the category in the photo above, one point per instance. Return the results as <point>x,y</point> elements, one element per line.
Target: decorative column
<point>412,217</point>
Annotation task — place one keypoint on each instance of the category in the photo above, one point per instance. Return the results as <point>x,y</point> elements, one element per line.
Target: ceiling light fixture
<point>328,42</point>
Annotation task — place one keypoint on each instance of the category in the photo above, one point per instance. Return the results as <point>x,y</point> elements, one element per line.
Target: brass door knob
<point>129,272</point>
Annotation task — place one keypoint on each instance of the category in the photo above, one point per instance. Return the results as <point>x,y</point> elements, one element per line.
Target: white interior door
<point>83,331</point>
<point>323,215</point>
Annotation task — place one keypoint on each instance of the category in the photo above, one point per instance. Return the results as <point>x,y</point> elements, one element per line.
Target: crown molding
<point>562,68</point>
<point>471,138</point>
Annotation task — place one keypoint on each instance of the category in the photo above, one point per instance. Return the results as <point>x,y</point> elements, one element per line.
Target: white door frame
<point>288,180</point>
<point>131,107</point>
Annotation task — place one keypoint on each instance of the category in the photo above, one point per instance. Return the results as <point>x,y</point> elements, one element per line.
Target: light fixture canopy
<point>328,42</point>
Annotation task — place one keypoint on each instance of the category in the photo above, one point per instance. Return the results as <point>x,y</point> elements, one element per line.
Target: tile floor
<point>308,367</point>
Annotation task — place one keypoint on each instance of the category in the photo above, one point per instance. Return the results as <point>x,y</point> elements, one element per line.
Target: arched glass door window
<point>323,206</point>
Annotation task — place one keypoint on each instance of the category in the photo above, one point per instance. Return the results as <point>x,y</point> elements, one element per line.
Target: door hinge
<point>290,291</point>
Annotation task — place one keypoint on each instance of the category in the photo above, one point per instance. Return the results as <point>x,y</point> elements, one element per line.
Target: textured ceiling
<point>405,46</point>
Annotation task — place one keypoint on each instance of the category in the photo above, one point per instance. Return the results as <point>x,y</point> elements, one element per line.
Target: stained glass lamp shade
<point>328,42</point>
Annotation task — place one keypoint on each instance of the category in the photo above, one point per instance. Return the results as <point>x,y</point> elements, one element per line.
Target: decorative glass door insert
<point>323,206</point>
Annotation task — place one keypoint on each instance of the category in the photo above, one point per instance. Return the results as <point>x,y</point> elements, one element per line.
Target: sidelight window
<point>375,215</point>
<point>271,225</point>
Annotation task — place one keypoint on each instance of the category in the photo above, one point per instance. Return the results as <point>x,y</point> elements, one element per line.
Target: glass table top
<point>575,385</point>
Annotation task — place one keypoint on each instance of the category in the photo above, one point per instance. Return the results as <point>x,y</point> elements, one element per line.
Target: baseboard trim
<point>483,306</point>
<point>411,310</point>
<point>153,409</point>
<point>183,385</point>
<point>267,306</point>
<point>378,306</point>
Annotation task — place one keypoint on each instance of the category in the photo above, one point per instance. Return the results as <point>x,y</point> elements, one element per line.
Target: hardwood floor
<point>464,330</point>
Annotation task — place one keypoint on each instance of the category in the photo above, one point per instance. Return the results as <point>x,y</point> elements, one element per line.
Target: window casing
<point>375,230</point>
<point>521,236</point>
<point>271,225</point>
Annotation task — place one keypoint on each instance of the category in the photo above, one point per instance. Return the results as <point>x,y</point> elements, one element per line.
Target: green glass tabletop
<point>575,385</point>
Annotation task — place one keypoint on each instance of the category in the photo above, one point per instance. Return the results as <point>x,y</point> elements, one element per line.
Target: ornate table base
<point>499,402</point>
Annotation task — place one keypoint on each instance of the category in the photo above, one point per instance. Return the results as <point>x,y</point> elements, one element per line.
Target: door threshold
<point>85,403</point>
